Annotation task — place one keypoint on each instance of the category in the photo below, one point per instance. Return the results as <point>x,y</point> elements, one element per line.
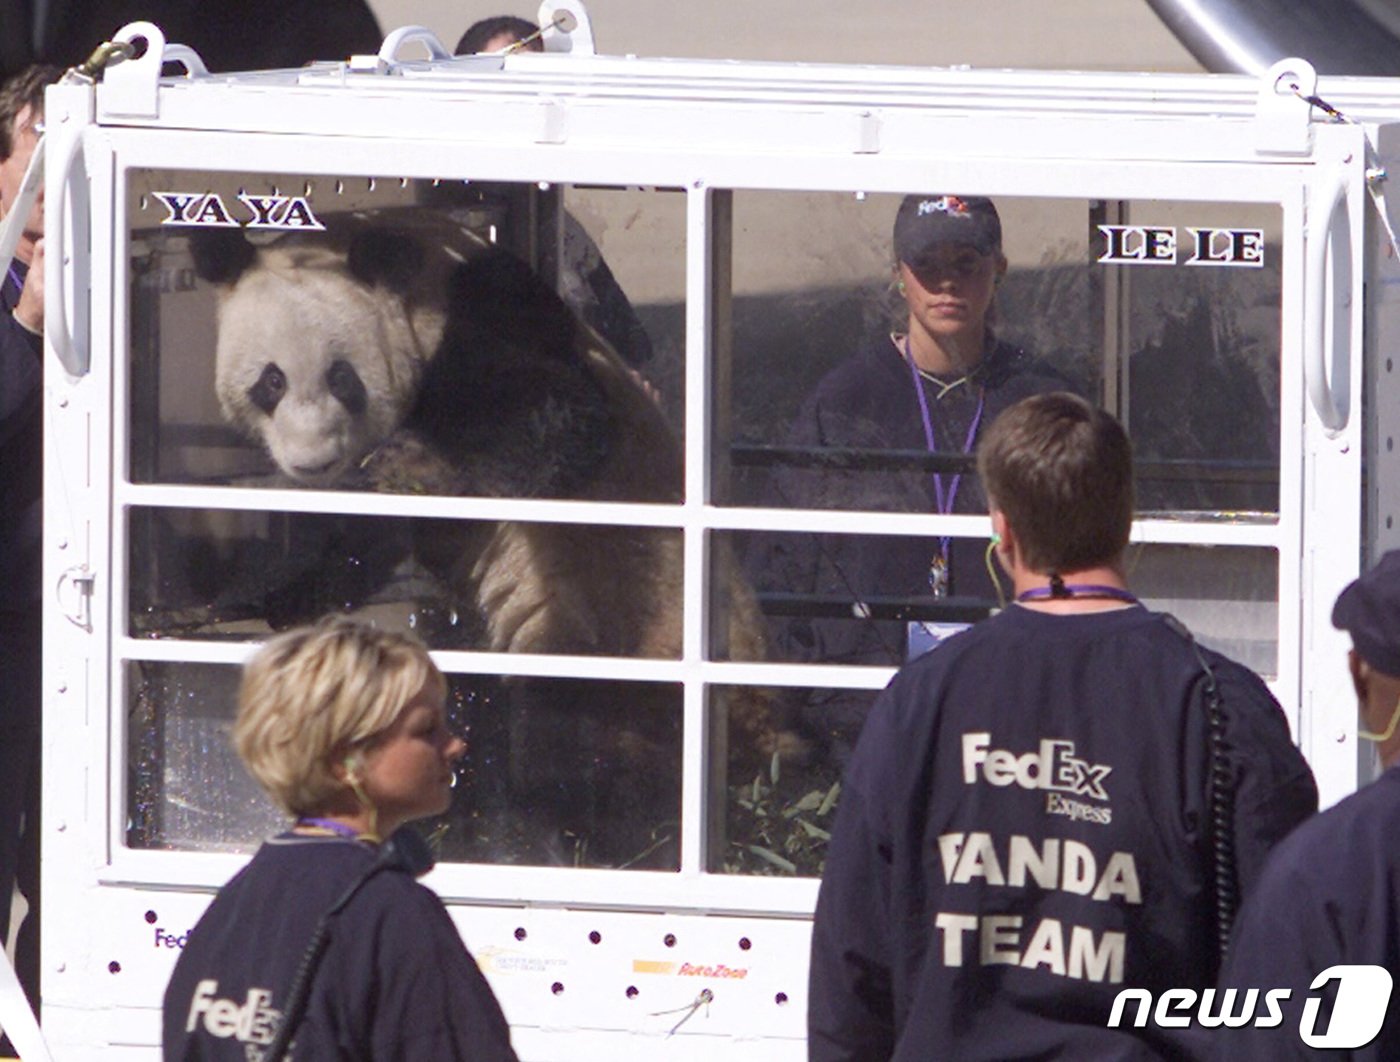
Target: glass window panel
<point>284,327</point>
<point>559,772</point>
<point>771,815</point>
<point>186,787</point>
<point>567,772</point>
<point>1227,595</point>
<point>459,584</point>
<point>805,585</point>
<point>1166,313</point>
<point>847,599</point>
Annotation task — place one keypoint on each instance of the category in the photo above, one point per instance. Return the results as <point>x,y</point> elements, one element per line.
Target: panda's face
<point>315,364</point>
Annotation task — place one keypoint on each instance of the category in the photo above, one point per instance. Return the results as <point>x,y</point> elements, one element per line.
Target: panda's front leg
<point>528,598</point>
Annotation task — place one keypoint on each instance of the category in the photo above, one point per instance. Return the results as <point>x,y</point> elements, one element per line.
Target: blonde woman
<point>344,726</point>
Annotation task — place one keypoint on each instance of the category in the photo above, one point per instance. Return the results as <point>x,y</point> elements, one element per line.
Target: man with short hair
<point>1330,895</point>
<point>497,33</point>
<point>1023,829</point>
<point>21,515</point>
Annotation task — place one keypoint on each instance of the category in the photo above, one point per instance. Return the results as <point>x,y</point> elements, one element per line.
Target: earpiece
<point>901,287</point>
<point>352,764</point>
<point>996,539</point>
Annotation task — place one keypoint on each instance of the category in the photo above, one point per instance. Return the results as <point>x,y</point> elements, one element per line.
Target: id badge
<point>938,576</point>
<point>922,636</point>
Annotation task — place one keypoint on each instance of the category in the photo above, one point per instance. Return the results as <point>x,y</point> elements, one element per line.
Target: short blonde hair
<point>311,695</point>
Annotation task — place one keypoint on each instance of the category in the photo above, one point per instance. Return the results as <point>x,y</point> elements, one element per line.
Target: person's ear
<point>1360,676</point>
<point>1002,537</point>
<point>348,768</point>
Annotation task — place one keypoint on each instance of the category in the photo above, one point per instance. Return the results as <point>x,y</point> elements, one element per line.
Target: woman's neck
<point>1091,590</point>
<point>359,823</point>
<point>947,355</point>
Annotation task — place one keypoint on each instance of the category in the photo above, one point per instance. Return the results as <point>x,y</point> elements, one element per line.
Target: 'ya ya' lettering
<point>209,211</point>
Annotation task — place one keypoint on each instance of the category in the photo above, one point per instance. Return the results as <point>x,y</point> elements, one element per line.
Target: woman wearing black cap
<point>931,385</point>
<point>948,265</point>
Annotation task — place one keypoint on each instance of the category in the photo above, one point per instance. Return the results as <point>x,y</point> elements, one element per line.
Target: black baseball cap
<point>1369,610</point>
<point>925,222</point>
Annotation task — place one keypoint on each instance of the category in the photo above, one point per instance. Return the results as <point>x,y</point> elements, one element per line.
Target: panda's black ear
<point>385,257</point>
<point>221,255</point>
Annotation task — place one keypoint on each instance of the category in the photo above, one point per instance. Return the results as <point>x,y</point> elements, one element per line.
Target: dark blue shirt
<point>396,984</point>
<point>1023,832</point>
<point>21,457</point>
<point>1330,895</point>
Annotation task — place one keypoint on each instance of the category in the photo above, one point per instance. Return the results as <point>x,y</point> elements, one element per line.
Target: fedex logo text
<point>1053,766</point>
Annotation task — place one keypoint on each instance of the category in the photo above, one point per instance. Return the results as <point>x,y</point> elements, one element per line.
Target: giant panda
<point>322,338</point>
<point>371,358</point>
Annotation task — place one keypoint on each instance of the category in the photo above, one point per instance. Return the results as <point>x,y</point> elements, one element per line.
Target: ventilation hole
<point>520,933</point>
<point>557,988</point>
<point>669,940</point>
<point>1389,444</point>
<point>1389,522</point>
<point>151,917</point>
<point>781,999</point>
<point>631,991</point>
<point>1388,365</point>
<point>114,967</point>
<point>595,937</point>
<point>745,944</point>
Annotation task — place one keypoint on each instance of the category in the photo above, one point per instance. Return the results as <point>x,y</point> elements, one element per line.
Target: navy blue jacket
<point>21,457</point>
<point>1022,833</point>
<point>1329,896</point>
<point>396,984</point>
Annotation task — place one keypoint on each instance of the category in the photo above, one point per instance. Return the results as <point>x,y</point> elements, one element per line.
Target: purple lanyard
<point>1062,590</point>
<point>19,284</point>
<point>944,505</point>
<point>330,826</point>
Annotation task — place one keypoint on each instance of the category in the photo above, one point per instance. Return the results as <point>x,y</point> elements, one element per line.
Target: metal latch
<point>74,595</point>
<point>1283,116</point>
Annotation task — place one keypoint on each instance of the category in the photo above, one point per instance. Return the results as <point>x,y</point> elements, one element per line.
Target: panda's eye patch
<point>345,385</point>
<point>268,391</point>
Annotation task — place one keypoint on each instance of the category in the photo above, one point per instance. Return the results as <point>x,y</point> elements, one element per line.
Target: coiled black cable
<point>1220,799</point>
<point>1222,813</point>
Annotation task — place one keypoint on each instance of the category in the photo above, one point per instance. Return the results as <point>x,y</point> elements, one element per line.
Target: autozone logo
<point>1053,766</point>
<point>690,969</point>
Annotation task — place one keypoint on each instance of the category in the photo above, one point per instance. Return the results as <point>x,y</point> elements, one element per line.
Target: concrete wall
<point>1062,34</point>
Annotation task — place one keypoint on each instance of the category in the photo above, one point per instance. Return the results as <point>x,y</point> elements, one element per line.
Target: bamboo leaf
<point>814,831</point>
<point>772,857</point>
